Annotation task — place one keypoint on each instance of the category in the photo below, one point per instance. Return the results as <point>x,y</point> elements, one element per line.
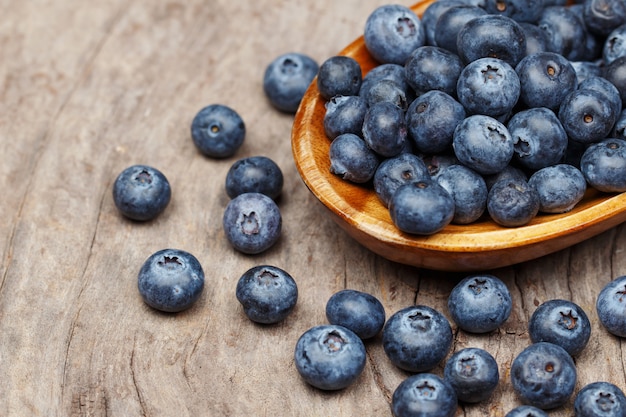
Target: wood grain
<point>88,88</point>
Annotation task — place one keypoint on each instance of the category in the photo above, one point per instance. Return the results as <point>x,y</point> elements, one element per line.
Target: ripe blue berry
<point>424,395</point>
<point>339,76</point>
<point>421,76</point>
<point>473,373</point>
<point>384,129</point>
<point>417,338</point>
<point>287,78</point>
<point>329,357</point>
<point>218,131</point>
<point>611,306</point>
<point>604,165</point>
<point>141,192</point>
<point>267,293</point>
<point>252,222</point>
<point>352,159</point>
<point>344,114</point>
<point>358,311</point>
<point>396,171</point>
<point>587,116</point>
<point>526,411</point>
<point>171,280</point>
<point>512,203</point>
<point>544,375</point>
<point>480,303</point>
<point>561,322</point>
<point>450,23</point>
<point>468,190</point>
<point>255,174</point>
<point>600,399</point>
<point>559,187</point>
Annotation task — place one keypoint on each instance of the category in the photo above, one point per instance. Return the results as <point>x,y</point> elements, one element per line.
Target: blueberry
<point>451,22</point>
<point>600,399</point>
<point>344,114</point>
<point>329,357</point>
<point>604,86</point>
<point>512,203</point>
<point>619,129</point>
<point>473,373</point>
<point>422,208</point>
<point>424,395</point>
<point>358,311</point>
<point>526,411</point>
<point>566,32</point>
<point>392,32</point>
<point>545,79</point>
<point>254,174</point>
<point>586,69</point>
<point>252,222</point>
<point>352,159</point>
<point>396,171</point>
<point>488,86</point>
<point>587,116</point>
<point>480,303</point>
<point>268,294</point>
<point>468,190</point>
<point>339,76</point>
<point>438,163</point>
<point>431,120</point>
<point>518,10</point>
<point>615,45</point>
<point>287,78</point>
<point>392,72</point>
<point>536,38</point>
<point>431,15</point>
<point>141,192</point>
<point>388,91</point>
<point>171,280</point>
<point>539,138</point>
<point>494,36</point>
<point>483,144</point>
<point>417,338</point>
<point>384,129</point>
<point>615,72</point>
<point>603,16</point>
<point>559,187</point>
<point>543,375</point>
<point>218,131</point>
<point>433,68</point>
<point>561,322</point>
<point>604,165</point>
<point>611,306</point>
<point>509,172</point>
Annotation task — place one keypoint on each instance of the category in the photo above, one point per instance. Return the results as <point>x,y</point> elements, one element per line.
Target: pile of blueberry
<point>498,108</point>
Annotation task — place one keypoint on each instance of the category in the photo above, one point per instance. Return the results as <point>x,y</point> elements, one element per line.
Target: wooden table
<point>89,88</point>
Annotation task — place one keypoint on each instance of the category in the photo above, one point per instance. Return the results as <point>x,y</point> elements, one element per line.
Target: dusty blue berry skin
<point>512,203</point>
<point>344,114</point>
<point>391,72</point>
<point>566,32</point>
<point>526,411</point>
<point>171,280</point>
<point>438,163</point>
<point>141,192</point>
<point>388,91</point>
<point>218,131</point>
<point>339,75</point>
<point>494,36</point>
<point>536,39</point>
<point>422,208</point>
<point>600,399</point>
<point>544,375</point>
<point>431,120</point>
<point>539,139</point>
<point>417,338</point>
<point>509,172</point>
<point>587,116</point>
<point>468,190</point>
<point>488,86</point>
<point>358,311</point>
<point>268,294</point>
<point>451,22</point>
<point>559,187</point>
<point>611,306</point>
<point>604,86</point>
<point>287,78</point>
<point>329,357</point>
<point>615,45</point>
<point>396,171</point>
<point>473,373</point>
<point>422,77</point>
<point>518,10</point>
<point>619,129</point>
<point>431,15</point>
<point>615,72</point>
<point>602,17</point>
<point>483,144</point>
<point>392,32</point>
<point>254,174</point>
<point>545,79</point>
<point>480,303</point>
<point>352,159</point>
<point>252,223</point>
<point>384,129</point>
<point>604,165</point>
<point>424,395</point>
<point>561,322</point>
<point>586,69</point>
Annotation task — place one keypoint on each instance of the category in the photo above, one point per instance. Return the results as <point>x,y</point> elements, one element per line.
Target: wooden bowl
<point>479,246</point>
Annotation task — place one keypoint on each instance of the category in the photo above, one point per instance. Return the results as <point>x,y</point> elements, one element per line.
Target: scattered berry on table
<point>600,399</point>
<point>424,395</point>
<point>171,280</point>
<point>218,131</point>
<point>358,311</point>
<point>141,192</point>
<point>526,411</point>
<point>473,373</point>
<point>287,78</point>
<point>254,174</point>
<point>611,306</point>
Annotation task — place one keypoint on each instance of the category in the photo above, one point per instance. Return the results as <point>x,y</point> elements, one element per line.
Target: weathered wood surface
<point>88,88</point>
